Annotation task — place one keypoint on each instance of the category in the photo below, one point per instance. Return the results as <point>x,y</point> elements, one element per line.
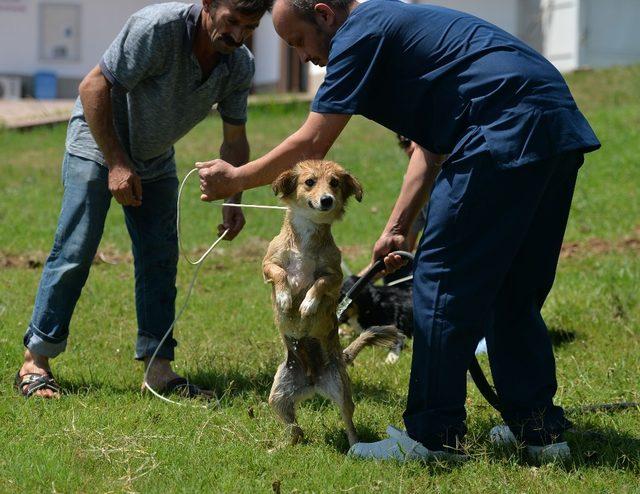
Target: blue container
<point>45,85</point>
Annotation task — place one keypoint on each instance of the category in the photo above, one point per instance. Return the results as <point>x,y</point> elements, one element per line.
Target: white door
<point>560,31</point>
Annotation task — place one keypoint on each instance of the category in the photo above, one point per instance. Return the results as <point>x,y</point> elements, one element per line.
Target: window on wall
<point>59,32</point>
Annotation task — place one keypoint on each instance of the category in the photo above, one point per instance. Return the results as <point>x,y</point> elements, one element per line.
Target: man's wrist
<point>240,177</point>
<point>396,228</point>
<point>118,162</point>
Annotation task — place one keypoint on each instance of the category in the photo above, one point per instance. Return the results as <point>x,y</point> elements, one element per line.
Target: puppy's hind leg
<point>289,386</point>
<point>335,385</point>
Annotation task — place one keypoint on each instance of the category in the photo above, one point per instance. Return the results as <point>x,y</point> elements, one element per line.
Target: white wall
<point>266,48</point>
<point>610,34</point>
<point>570,33</point>
<point>100,21</point>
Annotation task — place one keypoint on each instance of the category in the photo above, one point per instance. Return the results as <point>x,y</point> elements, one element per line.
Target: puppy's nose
<point>326,201</point>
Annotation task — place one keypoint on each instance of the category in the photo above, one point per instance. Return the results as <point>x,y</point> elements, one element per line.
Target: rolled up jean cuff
<point>146,345</point>
<point>41,344</point>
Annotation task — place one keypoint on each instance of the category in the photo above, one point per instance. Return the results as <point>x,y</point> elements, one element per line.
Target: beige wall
<point>20,35</point>
<point>100,22</point>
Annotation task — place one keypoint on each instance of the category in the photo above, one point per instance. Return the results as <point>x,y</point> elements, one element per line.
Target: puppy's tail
<point>385,336</point>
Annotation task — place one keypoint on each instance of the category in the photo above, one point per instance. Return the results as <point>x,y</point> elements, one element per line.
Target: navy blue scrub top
<point>443,78</point>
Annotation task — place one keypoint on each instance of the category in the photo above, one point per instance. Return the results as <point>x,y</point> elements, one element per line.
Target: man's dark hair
<point>305,7</point>
<point>251,7</point>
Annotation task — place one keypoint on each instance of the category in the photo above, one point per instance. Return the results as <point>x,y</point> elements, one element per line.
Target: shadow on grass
<point>82,387</point>
<point>231,383</point>
<point>595,446</point>
<point>380,393</point>
<point>337,437</point>
<point>237,382</point>
<point>591,447</point>
<point>226,383</point>
<point>560,337</point>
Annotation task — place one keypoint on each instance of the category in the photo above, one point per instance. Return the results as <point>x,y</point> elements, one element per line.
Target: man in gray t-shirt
<point>160,77</point>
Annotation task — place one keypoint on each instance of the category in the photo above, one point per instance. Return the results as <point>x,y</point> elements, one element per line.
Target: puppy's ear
<point>286,183</point>
<point>351,187</point>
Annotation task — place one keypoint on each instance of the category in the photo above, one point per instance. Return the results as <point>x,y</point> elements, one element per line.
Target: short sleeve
<point>233,107</point>
<point>350,72</point>
<point>136,53</point>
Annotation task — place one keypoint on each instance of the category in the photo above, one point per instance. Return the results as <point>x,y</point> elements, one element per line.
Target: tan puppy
<point>303,265</point>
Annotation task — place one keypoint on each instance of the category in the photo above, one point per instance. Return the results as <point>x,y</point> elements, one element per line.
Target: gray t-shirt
<point>158,93</point>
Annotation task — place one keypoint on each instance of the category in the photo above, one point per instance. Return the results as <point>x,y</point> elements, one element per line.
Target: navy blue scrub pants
<point>484,267</point>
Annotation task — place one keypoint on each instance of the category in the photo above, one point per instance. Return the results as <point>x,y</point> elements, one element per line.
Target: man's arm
<point>416,188</point>
<point>313,140</point>
<point>95,94</point>
<point>235,151</point>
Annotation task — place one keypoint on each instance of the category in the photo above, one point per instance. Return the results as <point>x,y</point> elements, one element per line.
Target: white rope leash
<point>198,264</point>
<point>400,280</point>
<point>208,251</point>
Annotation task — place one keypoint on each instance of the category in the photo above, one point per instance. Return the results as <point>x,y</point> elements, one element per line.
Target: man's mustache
<point>228,40</point>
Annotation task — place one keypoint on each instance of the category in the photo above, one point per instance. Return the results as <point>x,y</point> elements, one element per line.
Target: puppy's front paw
<point>283,300</point>
<point>309,305</point>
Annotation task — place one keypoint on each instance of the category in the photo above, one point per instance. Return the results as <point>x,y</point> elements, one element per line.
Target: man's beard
<point>326,44</point>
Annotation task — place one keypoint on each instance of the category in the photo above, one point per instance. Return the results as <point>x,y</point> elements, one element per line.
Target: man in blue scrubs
<point>456,86</point>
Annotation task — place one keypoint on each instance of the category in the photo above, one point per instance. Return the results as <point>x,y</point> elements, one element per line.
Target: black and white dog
<point>380,306</point>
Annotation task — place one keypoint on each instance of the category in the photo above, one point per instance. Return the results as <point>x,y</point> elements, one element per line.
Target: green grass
<point>103,436</point>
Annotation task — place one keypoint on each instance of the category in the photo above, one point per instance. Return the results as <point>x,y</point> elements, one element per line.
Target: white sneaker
<point>501,435</point>
<point>399,446</point>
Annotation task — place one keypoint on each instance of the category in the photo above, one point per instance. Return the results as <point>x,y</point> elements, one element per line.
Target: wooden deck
<point>26,113</point>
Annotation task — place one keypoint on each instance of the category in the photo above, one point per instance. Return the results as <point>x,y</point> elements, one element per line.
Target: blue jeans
<point>484,267</point>
<point>152,228</point>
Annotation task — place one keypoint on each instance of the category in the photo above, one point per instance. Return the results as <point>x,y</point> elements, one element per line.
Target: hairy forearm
<point>95,94</point>
<point>219,179</point>
<point>311,141</point>
<point>416,188</point>
<point>292,150</point>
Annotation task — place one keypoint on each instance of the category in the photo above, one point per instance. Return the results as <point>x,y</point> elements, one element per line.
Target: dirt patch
<point>35,260</point>
<point>254,248</point>
<point>355,250</point>
<point>600,246</point>
<point>32,260</point>
<point>249,248</point>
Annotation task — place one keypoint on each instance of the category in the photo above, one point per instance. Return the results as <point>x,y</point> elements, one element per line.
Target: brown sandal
<point>31,382</point>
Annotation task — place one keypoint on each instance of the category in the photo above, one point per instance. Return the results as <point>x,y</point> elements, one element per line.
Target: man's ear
<point>286,183</point>
<point>351,187</point>
<point>324,14</point>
